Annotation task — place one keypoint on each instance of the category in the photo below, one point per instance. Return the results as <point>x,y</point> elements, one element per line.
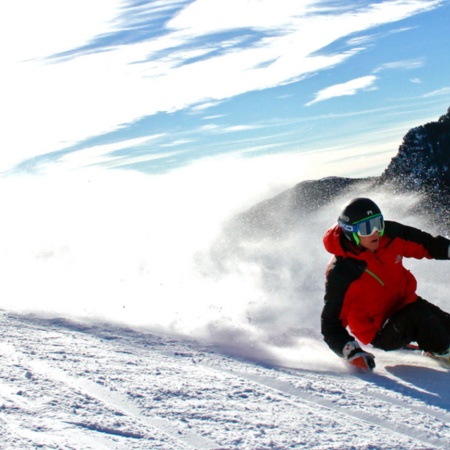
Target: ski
<point>416,348</point>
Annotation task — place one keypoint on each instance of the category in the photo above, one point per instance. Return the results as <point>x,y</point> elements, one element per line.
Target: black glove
<point>357,357</point>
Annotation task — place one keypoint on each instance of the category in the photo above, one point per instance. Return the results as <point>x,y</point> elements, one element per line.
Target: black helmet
<point>360,217</point>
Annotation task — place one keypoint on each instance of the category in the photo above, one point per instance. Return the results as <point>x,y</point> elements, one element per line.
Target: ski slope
<point>68,385</point>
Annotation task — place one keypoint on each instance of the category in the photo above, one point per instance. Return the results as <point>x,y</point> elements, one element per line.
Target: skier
<point>369,292</point>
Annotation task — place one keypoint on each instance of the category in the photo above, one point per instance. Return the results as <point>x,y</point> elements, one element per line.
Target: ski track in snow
<point>65,385</point>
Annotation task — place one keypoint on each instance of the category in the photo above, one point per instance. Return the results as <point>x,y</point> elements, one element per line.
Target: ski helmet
<point>356,212</point>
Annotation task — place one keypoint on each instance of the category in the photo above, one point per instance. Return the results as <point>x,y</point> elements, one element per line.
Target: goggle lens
<point>368,226</point>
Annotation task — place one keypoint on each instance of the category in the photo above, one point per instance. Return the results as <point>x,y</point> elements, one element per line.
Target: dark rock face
<point>422,165</point>
<point>423,159</point>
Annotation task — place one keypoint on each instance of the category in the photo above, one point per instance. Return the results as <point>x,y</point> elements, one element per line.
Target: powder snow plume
<point>136,249</point>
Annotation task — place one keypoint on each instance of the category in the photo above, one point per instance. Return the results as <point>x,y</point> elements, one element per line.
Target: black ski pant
<point>420,322</point>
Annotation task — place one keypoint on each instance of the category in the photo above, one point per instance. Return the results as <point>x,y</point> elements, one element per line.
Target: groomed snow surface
<point>68,385</point>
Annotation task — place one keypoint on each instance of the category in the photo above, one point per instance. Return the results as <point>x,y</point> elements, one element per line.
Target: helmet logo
<point>346,227</point>
<point>369,213</point>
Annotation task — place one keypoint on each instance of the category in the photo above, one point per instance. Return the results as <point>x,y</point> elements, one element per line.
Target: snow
<point>122,329</point>
<point>68,385</point>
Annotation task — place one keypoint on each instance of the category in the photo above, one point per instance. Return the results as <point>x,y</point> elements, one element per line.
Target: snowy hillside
<point>65,385</point>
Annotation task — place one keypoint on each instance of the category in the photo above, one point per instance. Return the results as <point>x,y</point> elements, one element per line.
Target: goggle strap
<point>368,218</point>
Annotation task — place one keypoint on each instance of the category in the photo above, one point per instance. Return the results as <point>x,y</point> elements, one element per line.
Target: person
<point>370,297</point>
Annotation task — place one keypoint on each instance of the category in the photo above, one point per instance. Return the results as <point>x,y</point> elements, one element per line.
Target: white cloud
<point>438,92</point>
<point>211,16</point>
<point>36,29</point>
<point>405,64</point>
<point>49,106</point>
<point>349,88</point>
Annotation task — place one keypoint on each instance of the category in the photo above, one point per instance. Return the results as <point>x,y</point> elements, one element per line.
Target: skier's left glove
<point>359,358</point>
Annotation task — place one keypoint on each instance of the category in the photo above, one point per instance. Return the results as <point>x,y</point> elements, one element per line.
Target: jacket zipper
<point>375,276</point>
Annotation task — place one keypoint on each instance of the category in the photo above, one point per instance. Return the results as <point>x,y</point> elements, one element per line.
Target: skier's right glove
<point>356,356</point>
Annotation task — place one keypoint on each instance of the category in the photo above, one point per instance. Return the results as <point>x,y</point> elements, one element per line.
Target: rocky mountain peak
<point>423,159</point>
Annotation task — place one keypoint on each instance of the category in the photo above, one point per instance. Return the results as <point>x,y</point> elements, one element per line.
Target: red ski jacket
<point>363,289</point>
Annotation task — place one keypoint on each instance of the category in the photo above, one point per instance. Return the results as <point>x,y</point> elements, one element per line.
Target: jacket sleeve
<point>339,278</point>
<point>417,243</point>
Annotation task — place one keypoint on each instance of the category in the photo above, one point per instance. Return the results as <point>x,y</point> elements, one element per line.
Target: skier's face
<point>370,242</point>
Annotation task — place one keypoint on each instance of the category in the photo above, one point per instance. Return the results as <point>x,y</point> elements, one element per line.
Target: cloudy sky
<point>155,85</point>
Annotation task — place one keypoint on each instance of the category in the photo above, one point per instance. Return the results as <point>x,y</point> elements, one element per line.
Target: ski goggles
<point>365,227</point>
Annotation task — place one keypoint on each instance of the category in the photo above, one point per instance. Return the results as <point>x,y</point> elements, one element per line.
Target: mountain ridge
<point>421,166</point>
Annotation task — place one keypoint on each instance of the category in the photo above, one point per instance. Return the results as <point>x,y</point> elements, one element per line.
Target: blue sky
<point>157,85</point>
